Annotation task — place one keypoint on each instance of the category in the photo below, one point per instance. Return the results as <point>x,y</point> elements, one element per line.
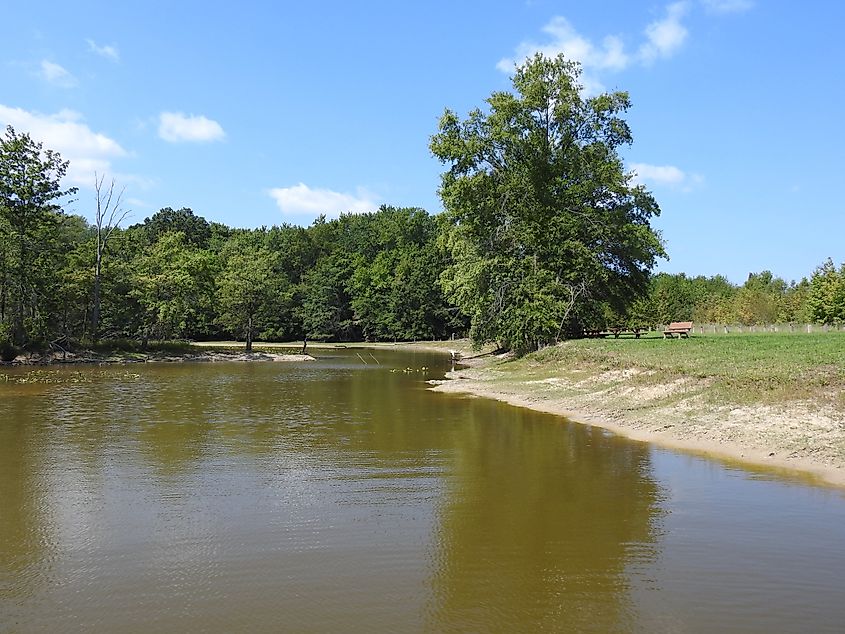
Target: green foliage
<point>826,297</point>
<point>250,288</point>
<point>30,219</point>
<point>763,299</point>
<point>544,223</point>
<point>325,308</point>
<point>196,230</point>
<point>174,285</point>
<point>542,233</point>
<point>396,295</point>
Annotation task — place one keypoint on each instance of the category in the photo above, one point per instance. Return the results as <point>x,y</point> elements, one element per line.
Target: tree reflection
<point>25,541</point>
<point>538,525</point>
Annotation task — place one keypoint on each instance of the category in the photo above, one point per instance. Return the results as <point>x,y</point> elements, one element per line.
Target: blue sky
<point>263,113</point>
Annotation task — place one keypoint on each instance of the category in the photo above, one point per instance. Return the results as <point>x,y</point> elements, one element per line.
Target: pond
<point>343,496</point>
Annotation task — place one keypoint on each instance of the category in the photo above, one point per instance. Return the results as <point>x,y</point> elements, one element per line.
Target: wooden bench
<point>678,328</point>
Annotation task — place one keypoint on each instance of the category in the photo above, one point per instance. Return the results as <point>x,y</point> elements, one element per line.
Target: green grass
<point>761,367</point>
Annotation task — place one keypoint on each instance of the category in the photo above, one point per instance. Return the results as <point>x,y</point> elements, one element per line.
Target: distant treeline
<point>372,276</point>
<point>177,276</point>
<point>762,299</point>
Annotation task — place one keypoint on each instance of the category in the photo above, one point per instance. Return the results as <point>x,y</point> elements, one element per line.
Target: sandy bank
<point>801,438</point>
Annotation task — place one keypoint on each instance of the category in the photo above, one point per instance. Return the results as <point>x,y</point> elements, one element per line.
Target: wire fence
<point>726,329</point>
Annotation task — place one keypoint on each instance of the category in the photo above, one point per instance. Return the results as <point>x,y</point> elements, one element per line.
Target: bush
<point>8,351</point>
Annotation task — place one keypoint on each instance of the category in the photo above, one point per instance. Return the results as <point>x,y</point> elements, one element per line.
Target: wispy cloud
<point>137,202</point>
<point>566,40</point>
<point>664,175</point>
<point>301,200</point>
<point>176,127</point>
<point>109,51</point>
<point>56,74</point>
<point>665,36</point>
<point>661,39</point>
<point>65,132</point>
<point>727,6</point>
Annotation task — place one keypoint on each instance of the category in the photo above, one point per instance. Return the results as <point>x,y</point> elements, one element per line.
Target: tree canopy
<point>30,228</point>
<point>545,225</point>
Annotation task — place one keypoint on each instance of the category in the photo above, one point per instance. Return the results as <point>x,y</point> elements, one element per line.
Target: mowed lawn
<point>765,367</point>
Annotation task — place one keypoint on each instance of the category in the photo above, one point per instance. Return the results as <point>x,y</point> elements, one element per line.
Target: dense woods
<point>177,276</point>
<point>543,235</point>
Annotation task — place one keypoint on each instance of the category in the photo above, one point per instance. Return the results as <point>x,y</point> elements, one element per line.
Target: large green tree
<point>546,227</point>
<point>826,300</point>
<point>174,285</point>
<point>251,290</point>
<point>30,219</point>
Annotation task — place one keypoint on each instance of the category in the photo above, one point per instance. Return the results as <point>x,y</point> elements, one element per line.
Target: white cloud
<point>302,200</point>
<point>176,127</point>
<point>87,151</point>
<point>108,51</point>
<point>727,6</point>
<point>666,36</point>
<point>663,38</point>
<point>609,55</point>
<point>137,202</point>
<point>566,40</point>
<point>664,175</point>
<point>57,75</point>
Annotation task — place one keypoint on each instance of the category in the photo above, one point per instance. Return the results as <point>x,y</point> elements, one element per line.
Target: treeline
<point>372,276</point>
<point>762,299</point>
<point>177,276</point>
<point>544,235</point>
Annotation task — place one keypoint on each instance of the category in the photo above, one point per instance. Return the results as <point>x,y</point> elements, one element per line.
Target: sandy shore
<point>799,438</point>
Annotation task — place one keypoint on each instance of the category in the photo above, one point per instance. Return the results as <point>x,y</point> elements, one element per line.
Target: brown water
<point>339,497</point>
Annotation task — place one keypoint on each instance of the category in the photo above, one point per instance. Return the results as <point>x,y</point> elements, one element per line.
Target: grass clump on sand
<point>768,368</point>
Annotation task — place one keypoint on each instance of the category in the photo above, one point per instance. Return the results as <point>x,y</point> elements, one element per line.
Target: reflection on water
<point>335,496</point>
<point>538,526</point>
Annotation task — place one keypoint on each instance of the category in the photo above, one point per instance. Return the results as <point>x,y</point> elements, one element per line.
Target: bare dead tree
<point>109,214</point>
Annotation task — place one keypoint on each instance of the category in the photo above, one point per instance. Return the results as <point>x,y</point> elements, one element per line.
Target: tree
<point>826,300</point>
<point>249,287</point>
<point>325,307</point>
<point>107,217</point>
<point>30,214</point>
<point>545,224</point>
<point>196,229</point>
<point>174,285</point>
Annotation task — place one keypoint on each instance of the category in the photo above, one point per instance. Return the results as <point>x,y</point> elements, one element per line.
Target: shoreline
<point>794,441</point>
<point>88,357</point>
<point>797,439</point>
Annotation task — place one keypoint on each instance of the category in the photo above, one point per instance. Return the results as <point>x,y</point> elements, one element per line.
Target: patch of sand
<point>798,436</point>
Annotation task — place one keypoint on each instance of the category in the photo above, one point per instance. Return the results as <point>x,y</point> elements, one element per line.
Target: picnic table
<point>615,331</point>
<point>636,331</point>
<point>678,329</point>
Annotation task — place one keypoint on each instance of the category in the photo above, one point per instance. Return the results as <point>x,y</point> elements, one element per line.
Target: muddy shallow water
<point>338,496</point>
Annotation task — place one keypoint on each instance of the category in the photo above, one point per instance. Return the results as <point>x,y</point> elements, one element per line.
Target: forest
<point>543,235</point>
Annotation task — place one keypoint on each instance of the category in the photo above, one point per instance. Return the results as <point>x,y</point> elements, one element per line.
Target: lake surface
<point>341,497</point>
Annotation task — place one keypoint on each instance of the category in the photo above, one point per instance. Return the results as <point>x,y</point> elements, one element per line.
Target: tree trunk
<point>249,335</point>
<point>95,309</point>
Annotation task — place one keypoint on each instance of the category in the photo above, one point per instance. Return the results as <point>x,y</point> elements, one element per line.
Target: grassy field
<point>749,367</point>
